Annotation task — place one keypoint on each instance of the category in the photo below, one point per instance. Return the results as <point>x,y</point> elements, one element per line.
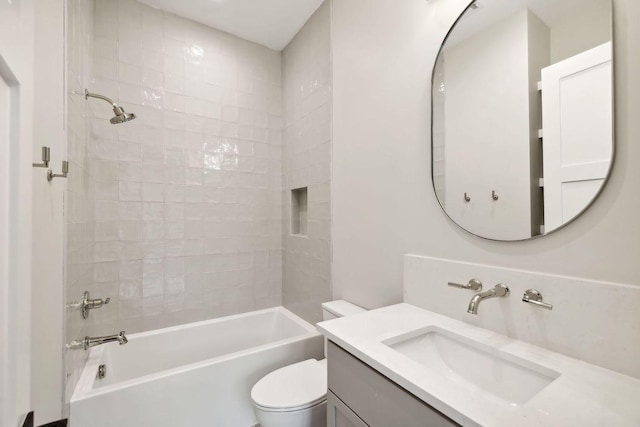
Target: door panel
<point>577,117</point>
<point>16,148</point>
<point>4,245</point>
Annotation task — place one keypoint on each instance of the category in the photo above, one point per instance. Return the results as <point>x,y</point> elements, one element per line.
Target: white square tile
<point>174,102</point>
<point>152,192</point>
<point>130,53</point>
<point>153,230</point>
<point>153,173</point>
<point>105,48</point>
<point>105,68</point>
<point>174,66</point>
<point>174,84</point>
<point>153,154</point>
<point>153,60</point>
<point>130,230</point>
<point>130,191</point>
<point>130,210</point>
<point>153,211</point>
<point>159,189</point>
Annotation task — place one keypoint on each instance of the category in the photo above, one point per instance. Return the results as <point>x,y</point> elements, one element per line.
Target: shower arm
<point>121,116</point>
<point>88,95</point>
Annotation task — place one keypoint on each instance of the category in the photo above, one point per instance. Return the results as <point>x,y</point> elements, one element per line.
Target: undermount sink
<point>468,362</point>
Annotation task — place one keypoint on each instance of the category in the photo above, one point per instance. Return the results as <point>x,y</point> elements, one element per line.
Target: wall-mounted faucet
<point>499,290</point>
<point>533,296</point>
<point>87,304</point>
<point>65,171</point>
<point>89,342</point>
<point>474,285</point>
<point>46,158</point>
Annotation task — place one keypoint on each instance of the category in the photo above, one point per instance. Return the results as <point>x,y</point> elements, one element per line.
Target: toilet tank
<point>339,308</point>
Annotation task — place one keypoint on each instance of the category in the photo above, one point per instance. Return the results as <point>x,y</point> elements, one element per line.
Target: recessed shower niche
<point>299,209</point>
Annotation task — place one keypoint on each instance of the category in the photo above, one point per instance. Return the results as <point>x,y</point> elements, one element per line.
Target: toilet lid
<point>293,387</point>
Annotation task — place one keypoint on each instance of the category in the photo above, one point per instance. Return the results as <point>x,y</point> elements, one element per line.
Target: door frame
<point>16,70</point>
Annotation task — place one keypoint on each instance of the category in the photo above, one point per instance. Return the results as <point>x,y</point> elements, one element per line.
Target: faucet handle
<point>65,172</point>
<point>122,338</point>
<point>501,290</point>
<point>474,285</point>
<point>533,296</point>
<point>88,304</point>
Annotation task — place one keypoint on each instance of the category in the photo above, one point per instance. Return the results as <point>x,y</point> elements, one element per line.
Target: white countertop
<point>583,394</point>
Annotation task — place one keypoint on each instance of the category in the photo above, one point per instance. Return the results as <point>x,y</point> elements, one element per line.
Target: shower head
<point>121,116</point>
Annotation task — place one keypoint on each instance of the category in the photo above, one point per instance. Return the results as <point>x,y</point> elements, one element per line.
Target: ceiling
<point>271,23</point>
<point>551,12</point>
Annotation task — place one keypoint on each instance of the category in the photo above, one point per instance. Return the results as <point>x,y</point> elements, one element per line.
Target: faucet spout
<point>499,290</point>
<point>89,342</point>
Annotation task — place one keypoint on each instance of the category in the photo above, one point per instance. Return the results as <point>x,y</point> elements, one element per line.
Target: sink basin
<point>473,364</point>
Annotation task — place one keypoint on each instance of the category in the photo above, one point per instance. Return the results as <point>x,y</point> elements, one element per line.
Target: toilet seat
<point>292,388</point>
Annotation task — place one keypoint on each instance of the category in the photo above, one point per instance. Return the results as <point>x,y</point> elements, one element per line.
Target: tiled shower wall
<point>188,195</point>
<point>307,163</point>
<point>178,215</point>
<point>80,191</point>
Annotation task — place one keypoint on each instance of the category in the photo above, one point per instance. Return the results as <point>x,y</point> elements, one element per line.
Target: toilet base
<point>315,416</point>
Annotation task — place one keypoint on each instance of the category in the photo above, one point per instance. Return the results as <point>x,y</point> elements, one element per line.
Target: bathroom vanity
<point>406,366</point>
<point>359,396</point>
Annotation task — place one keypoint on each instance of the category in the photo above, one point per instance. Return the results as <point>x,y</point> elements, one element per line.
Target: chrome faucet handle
<point>532,296</point>
<point>474,285</point>
<point>122,338</point>
<point>65,171</point>
<point>89,304</point>
<point>46,158</point>
<point>501,290</point>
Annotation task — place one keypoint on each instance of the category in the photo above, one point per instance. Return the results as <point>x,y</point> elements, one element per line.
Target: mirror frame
<point>613,136</point>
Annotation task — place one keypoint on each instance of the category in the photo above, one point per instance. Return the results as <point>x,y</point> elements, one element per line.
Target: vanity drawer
<point>339,414</point>
<point>375,399</point>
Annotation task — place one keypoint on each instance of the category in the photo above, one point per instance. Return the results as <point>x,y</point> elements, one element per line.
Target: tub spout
<point>89,342</point>
<point>499,290</point>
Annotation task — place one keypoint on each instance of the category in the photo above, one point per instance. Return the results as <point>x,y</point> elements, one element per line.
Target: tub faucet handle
<point>89,304</point>
<point>122,338</point>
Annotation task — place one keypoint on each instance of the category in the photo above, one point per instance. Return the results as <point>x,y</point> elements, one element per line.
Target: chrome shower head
<point>121,116</point>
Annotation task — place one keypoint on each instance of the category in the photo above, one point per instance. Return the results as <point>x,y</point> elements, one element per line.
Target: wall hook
<point>46,157</point>
<point>65,170</point>
<point>494,196</point>
<point>467,198</point>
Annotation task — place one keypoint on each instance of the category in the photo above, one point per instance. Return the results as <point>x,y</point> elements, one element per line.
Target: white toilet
<point>296,395</point>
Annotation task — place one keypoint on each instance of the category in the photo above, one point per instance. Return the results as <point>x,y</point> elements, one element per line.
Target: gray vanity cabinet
<point>360,396</point>
<point>339,414</point>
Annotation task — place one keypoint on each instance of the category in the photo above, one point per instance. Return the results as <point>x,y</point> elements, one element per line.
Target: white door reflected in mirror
<point>577,141</point>
<point>523,110</point>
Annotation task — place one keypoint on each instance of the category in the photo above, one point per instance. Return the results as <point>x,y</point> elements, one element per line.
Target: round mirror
<point>522,115</point>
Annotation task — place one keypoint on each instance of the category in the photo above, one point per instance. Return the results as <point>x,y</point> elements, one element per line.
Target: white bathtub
<point>198,374</point>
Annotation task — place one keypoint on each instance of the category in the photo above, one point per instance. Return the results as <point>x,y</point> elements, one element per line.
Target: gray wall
<point>306,68</point>
<point>383,201</point>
